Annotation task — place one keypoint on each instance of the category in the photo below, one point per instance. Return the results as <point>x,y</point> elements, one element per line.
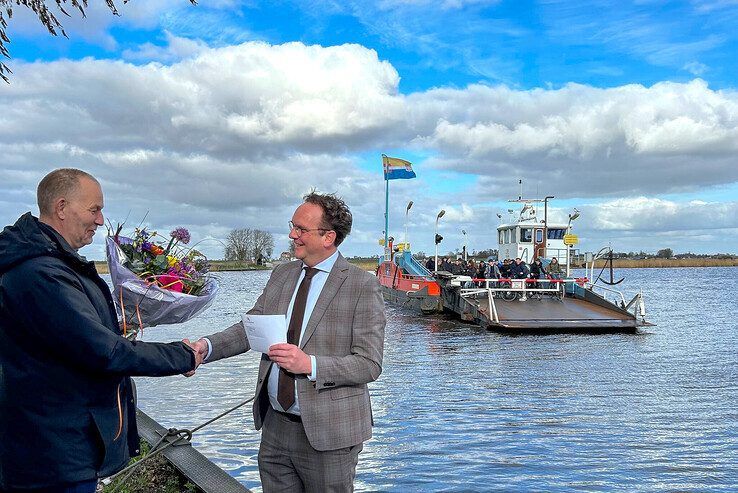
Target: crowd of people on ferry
<point>498,269</point>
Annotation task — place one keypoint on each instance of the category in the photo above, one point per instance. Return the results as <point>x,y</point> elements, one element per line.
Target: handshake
<point>200,348</point>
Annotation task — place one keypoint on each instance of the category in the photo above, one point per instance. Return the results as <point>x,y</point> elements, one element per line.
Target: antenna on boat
<point>520,196</point>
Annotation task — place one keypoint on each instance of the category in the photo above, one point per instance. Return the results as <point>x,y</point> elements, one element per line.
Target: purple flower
<point>181,234</point>
<point>146,246</point>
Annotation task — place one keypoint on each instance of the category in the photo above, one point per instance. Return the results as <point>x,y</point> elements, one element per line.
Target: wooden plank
<point>200,470</point>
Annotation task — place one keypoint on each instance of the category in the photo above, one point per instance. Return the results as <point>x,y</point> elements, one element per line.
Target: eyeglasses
<point>301,231</point>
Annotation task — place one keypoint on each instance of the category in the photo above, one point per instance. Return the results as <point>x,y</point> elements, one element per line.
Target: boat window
<point>526,235</point>
<point>539,235</point>
<point>501,239</point>
<point>507,236</point>
<point>556,233</point>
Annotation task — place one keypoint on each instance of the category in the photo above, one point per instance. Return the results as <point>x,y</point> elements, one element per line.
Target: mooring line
<point>181,435</point>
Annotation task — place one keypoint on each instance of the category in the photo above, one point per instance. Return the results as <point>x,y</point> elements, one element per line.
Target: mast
<point>386,202</point>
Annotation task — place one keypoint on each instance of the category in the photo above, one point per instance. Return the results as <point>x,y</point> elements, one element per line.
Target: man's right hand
<point>200,348</point>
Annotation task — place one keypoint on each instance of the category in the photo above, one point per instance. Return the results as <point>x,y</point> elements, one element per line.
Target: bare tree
<point>45,17</point>
<point>263,246</point>
<point>249,245</point>
<point>239,245</point>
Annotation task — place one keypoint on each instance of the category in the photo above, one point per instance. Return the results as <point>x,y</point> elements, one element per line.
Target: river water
<point>458,408</point>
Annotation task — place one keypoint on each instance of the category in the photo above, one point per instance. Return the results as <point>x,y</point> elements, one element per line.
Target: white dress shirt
<point>316,287</point>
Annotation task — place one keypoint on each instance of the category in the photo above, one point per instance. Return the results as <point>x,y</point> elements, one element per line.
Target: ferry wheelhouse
<point>531,235</point>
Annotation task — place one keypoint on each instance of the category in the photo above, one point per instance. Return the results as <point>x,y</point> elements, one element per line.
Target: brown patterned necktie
<point>286,387</point>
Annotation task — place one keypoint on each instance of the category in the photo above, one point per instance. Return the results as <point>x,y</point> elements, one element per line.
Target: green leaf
<point>161,262</point>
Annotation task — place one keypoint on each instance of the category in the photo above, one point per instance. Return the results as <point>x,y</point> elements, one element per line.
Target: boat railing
<point>519,285</point>
<point>516,287</point>
<point>411,277</point>
<point>397,273</point>
<point>635,306</point>
<point>524,255</point>
<point>521,288</point>
<point>493,287</point>
<point>604,292</point>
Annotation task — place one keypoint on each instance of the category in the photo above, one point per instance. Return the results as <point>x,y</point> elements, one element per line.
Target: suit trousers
<point>288,463</point>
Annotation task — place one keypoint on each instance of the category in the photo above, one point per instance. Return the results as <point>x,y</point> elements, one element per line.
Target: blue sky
<point>524,44</point>
<point>626,110</point>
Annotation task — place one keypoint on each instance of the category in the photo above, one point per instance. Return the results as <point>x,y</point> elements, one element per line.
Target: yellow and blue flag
<point>396,168</point>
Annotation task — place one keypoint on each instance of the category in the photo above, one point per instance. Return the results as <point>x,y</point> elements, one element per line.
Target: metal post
<point>545,223</point>
<point>568,247</point>
<point>439,216</point>
<point>465,245</point>
<point>386,208</point>
<point>407,210</point>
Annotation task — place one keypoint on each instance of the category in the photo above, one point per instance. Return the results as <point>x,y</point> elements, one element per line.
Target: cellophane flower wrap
<point>155,284</point>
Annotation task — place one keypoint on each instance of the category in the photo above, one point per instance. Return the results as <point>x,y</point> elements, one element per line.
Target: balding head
<point>60,183</point>
<point>71,202</point>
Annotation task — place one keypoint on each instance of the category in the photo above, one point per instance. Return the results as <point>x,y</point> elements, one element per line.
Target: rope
<point>123,313</point>
<point>181,435</point>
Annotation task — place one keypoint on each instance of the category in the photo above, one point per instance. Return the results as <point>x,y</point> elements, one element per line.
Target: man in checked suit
<point>312,401</point>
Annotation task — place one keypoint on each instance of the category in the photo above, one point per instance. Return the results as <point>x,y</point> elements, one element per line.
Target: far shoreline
<point>371,264</point>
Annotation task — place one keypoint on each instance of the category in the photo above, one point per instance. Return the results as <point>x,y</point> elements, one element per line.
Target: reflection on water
<point>458,408</point>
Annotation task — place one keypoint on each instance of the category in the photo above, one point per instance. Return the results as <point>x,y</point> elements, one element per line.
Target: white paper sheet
<point>264,330</point>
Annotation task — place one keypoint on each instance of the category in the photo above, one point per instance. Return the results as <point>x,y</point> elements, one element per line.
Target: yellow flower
<point>171,260</point>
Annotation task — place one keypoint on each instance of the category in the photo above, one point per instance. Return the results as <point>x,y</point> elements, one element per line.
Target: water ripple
<point>458,408</point>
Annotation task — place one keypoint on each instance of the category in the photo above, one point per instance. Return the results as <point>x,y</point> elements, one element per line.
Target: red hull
<point>392,277</point>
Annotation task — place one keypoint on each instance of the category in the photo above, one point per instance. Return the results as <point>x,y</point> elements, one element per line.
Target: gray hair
<point>59,183</point>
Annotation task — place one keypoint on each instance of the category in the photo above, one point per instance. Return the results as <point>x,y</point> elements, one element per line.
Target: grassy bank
<point>156,475</point>
<point>666,262</point>
<point>223,265</point>
<point>365,264</point>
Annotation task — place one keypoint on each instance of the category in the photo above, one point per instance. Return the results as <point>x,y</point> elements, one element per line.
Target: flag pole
<point>386,201</point>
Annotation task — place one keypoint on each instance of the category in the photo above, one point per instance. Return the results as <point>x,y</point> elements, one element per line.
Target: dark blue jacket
<point>66,403</point>
<point>519,271</point>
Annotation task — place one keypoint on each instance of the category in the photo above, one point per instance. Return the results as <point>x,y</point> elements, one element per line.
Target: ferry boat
<point>503,304</point>
<point>407,282</point>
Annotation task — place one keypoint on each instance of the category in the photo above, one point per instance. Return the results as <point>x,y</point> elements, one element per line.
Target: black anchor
<point>612,281</point>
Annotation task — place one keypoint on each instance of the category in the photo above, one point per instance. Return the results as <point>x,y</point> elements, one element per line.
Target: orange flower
<point>156,250</point>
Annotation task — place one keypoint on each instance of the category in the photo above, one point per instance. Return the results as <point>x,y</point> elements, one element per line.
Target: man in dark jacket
<point>519,270</point>
<point>67,415</point>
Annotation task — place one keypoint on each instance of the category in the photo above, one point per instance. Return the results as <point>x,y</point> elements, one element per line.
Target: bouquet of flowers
<point>156,284</point>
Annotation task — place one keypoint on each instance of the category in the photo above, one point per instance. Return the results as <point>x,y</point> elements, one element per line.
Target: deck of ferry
<point>551,313</point>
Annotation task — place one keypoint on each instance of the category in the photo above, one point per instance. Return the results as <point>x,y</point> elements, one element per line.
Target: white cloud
<point>458,214</point>
<point>628,139</point>
<point>659,215</point>
<point>233,136</point>
<point>696,68</point>
<point>176,49</point>
<point>445,4</point>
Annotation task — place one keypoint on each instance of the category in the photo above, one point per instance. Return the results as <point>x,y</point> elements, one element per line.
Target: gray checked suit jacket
<point>345,333</point>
